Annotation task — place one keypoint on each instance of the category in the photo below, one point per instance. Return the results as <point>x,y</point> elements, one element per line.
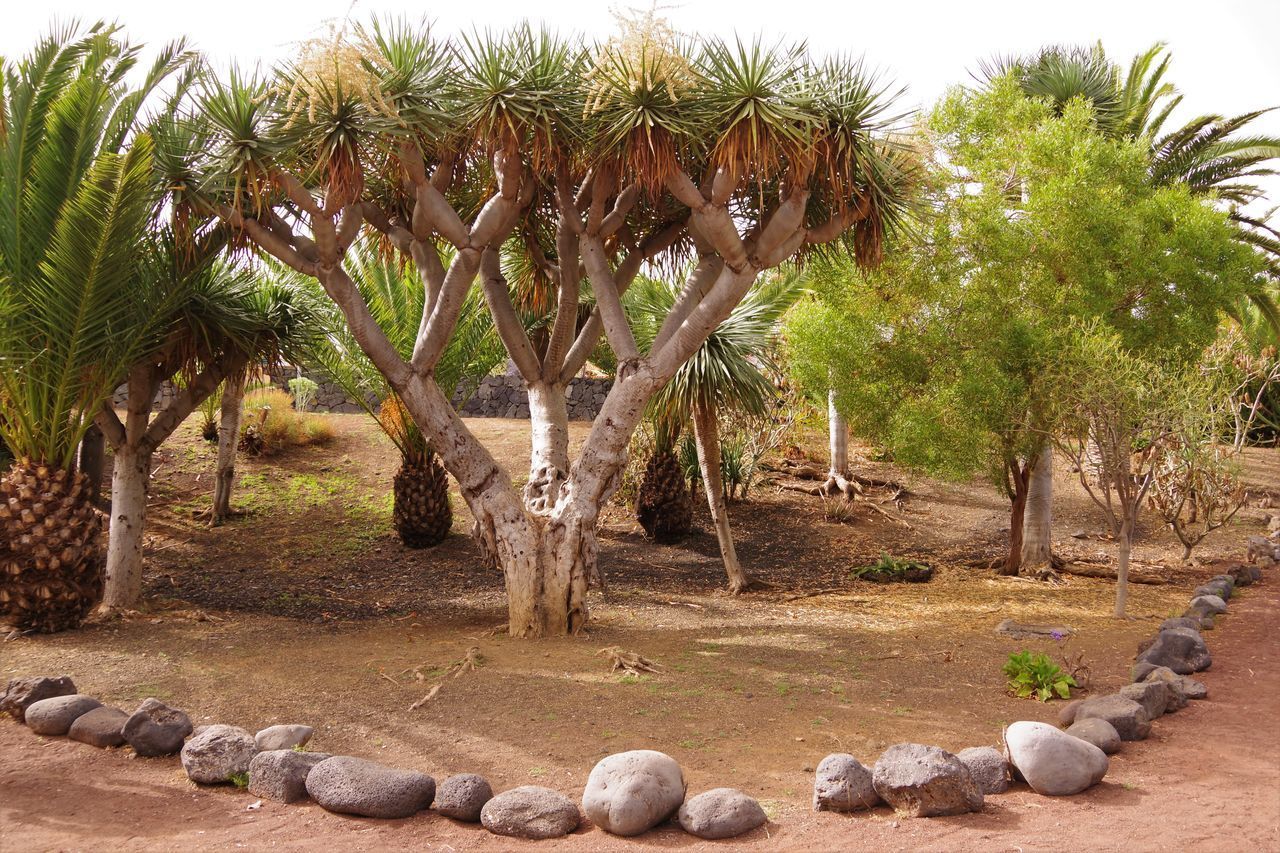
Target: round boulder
<point>925,781</point>
<point>1180,649</point>
<point>1126,716</point>
<point>842,784</point>
<point>1053,763</point>
<point>1206,605</point>
<point>22,693</point>
<point>216,753</point>
<point>988,767</point>
<point>282,737</point>
<point>631,792</point>
<point>156,729</point>
<point>530,811</point>
<point>354,786</point>
<point>720,813</point>
<point>281,774</point>
<point>100,727</point>
<point>462,796</point>
<point>1098,732</point>
<point>54,716</point>
<point>1181,622</point>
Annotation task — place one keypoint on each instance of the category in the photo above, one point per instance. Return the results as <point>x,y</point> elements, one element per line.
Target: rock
<point>720,813</point>
<point>156,729</point>
<point>281,774</point>
<point>1067,715</point>
<point>1098,732</point>
<point>925,781</point>
<point>22,693</point>
<point>1179,685</point>
<point>1081,533</point>
<point>842,784</point>
<point>1206,605</point>
<point>216,753</point>
<point>1126,716</point>
<point>1241,574</point>
<point>988,768</point>
<point>463,796</point>
<point>1019,631</point>
<point>99,727</point>
<point>631,792</point>
<point>530,812</point>
<point>1153,696</point>
<point>1260,548</point>
<point>1054,763</point>
<point>282,737</point>
<point>1226,581</point>
<point>354,786</point>
<point>55,715</point>
<point>1180,649</point>
<point>1176,694</point>
<point>1191,622</point>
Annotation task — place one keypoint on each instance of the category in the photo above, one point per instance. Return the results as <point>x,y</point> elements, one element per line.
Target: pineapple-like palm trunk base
<point>664,505</point>
<point>422,513</point>
<point>51,560</point>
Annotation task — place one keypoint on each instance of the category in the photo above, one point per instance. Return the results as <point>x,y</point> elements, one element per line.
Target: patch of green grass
<point>901,711</point>
<point>535,772</point>
<point>782,688</point>
<point>153,691</point>
<point>240,780</point>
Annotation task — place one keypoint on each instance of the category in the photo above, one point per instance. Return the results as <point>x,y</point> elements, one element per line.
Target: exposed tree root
<point>629,663</point>
<point>1153,574</point>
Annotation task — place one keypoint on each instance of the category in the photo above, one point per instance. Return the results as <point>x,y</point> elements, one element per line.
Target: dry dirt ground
<point>308,610</point>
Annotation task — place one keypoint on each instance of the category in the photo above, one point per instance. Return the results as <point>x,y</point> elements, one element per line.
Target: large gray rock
<point>54,716</point>
<point>100,727</point>
<point>22,693</point>
<point>1216,589</point>
<point>216,753</point>
<point>1067,715</point>
<point>1098,732</point>
<point>1181,687</point>
<point>282,737</point>
<point>281,774</point>
<point>1206,605</point>
<point>1224,580</point>
<point>1180,649</point>
<point>1153,696</point>
<point>925,781</point>
<point>354,786</point>
<point>156,729</point>
<point>988,768</point>
<point>1053,762</point>
<point>842,784</point>
<point>631,792</point>
<point>1191,622</point>
<point>530,811</point>
<point>463,796</point>
<point>720,813</point>
<point>1126,716</point>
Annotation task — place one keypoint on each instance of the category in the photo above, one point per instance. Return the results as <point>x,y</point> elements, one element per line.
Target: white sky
<point>1226,58</point>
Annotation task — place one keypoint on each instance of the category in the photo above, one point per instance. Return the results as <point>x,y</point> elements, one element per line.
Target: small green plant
<point>893,569</point>
<point>304,392</point>
<point>1038,676</point>
<point>240,780</point>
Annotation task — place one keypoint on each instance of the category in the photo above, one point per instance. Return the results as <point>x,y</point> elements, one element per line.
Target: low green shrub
<point>1036,675</point>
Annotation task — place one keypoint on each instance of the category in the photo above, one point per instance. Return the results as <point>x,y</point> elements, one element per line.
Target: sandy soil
<point>307,610</point>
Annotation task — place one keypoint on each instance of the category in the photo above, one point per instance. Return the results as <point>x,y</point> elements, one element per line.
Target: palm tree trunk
<point>228,437</point>
<point>1037,548</point>
<point>706,431</point>
<point>93,460</point>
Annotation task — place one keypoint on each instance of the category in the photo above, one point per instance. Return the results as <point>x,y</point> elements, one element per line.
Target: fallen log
<point>1146,574</point>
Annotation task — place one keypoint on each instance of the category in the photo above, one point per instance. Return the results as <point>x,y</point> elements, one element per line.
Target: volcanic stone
<point>54,716</point>
<point>156,729</point>
<point>1153,696</point>
<point>281,774</point>
<point>631,792</point>
<point>217,753</point>
<point>355,786</point>
<point>1126,716</point>
<point>1098,732</point>
<point>530,811</point>
<point>462,797</point>
<point>282,737</point>
<point>842,784</point>
<point>1053,762</point>
<point>988,767</point>
<point>100,727</point>
<point>1180,649</point>
<point>22,693</point>
<point>720,813</point>
<point>925,781</point>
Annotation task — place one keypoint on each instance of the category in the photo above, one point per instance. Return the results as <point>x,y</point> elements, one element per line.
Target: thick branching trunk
<point>706,432</point>
<point>130,482</point>
<point>1019,479</point>
<point>1037,545</point>
<point>228,440</point>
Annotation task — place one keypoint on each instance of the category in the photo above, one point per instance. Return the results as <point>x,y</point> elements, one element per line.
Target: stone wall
<point>497,397</point>
<point>505,397</point>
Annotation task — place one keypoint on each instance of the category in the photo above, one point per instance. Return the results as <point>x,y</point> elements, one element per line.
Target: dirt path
<point>1208,779</point>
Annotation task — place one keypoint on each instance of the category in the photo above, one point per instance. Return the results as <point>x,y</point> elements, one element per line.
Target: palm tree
<point>730,371</point>
<point>77,192</point>
<point>421,510</point>
<point>217,320</point>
